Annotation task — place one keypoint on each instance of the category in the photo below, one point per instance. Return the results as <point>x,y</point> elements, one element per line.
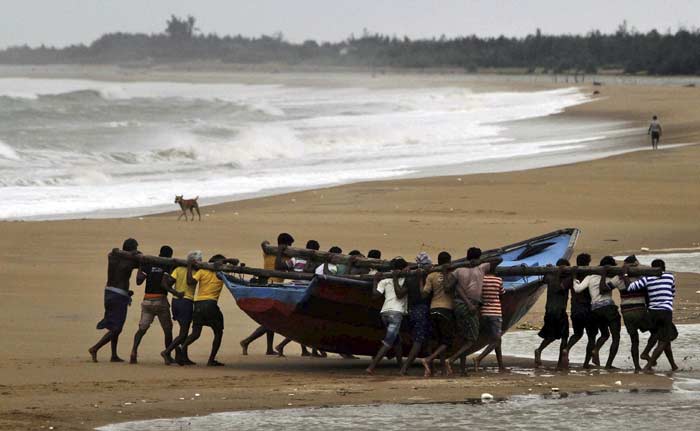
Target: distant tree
<point>177,28</point>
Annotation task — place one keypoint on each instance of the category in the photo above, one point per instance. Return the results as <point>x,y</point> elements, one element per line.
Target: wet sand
<point>53,275</point>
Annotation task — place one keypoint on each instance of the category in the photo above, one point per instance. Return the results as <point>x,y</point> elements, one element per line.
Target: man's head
<point>563,262</point>
<point>355,253</point>
<point>444,257</point>
<point>422,259</point>
<point>398,263</point>
<point>335,250</point>
<point>473,253</point>
<point>166,251</point>
<point>312,244</point>
<point>583,259</point>
<point>608,261</point>
<point>217,258</point>
<point>374,254</point>
<point>631,260</point>
<point>130,244</point>
<point>654,117</point>
<point>195,255</point>
<point>285,239</point>
<point>658,263</point>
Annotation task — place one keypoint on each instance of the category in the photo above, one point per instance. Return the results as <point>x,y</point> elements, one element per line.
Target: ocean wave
<point>8,153</point>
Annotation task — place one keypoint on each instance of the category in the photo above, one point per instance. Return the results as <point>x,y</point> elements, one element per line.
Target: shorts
<point>492,327</point>
<point>582,320</point>
<point>150,308</point>
<point>662,325</point>
<point>443,320</point>
<point>182,311</point>
<point>608,320</point>
<point>116,306</point>
<point>207,313</point>
<point>392,322</point>
<point>655,136</point>
<point>636,320</point>
<point>556,326</point>
<point>419,322</point>
<point>467,321</point>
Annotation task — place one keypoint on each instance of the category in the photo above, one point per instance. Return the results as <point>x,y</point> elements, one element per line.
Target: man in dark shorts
<point>603,309</point>
<point>418,312</point>
<point>467,284</point>
<point>183,307</point>
<point>633,306</point>
<point>155,302</point>
<point>581,317</point>
<point>117,298</point>
<point>441,313</point>
<point>661,292</point>
<point>655,132</point>
<point>206,310</point>
<point>556,321</point>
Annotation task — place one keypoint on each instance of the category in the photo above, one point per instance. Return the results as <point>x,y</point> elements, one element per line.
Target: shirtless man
<point>117,298</point>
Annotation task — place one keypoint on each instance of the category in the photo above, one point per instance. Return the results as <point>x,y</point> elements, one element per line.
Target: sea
<point>81,148</point>
<point>608,409</point>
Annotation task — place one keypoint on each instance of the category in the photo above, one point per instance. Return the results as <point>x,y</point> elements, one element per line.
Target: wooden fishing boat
<point>340,315</point>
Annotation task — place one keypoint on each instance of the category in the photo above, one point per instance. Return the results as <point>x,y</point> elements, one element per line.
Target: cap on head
<point>398,263</point>
<point>444,257</point>
<point>422,259</point>
<point>285,239</point>
<point>130,244</point>
<point>374,254</point>
<point>166,251</point>
<point>473,253</point>
<point>195,255</point>
<point>583,259</point>
<point>608,261</point>
<point>312,244</point>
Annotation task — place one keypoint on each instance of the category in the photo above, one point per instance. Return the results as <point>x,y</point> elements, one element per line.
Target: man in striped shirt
<point>661,292</point>
<point>633,305</point>
<point>491,318</point>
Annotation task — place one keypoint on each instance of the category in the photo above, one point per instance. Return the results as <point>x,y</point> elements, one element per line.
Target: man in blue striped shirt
<point>661,292</point>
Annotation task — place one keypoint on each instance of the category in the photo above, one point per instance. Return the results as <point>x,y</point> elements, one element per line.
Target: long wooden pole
<point>324,256</point>
<point>503,271</point>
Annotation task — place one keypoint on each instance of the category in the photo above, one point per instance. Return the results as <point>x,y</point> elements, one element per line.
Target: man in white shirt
<point>603,309</point>
<point>394,308</point>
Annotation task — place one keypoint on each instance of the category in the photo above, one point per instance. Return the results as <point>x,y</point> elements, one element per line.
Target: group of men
<point>646,304</point>
<point>195,303</point>
<point>445,311</point>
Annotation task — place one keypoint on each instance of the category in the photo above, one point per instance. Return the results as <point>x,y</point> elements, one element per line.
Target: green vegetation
<point>626,50</point>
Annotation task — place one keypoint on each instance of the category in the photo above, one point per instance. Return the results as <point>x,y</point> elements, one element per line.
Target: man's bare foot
<point>244,347</point>
<point>538,358</point>
<point>428,369</point>
<point>648,370</point>
<point>564,360</point>
<point>595,358</point>
<point>448,369</point>
<point>611,367</point>
<point>116,359</point>
<point>214,363</point>
<point>271,353</point>
<point>645,356</point>
<point>166,358</point>
<point>280,351</point>
<point>586,366</point>
<point>369,371</point>
<point>187,361</point>
<point>637,370</point>
<point>132,359</point>
<point>93,354</point>
<point>674,367</point>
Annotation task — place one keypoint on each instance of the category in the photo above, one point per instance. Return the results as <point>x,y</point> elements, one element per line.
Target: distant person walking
<point>655,132</point>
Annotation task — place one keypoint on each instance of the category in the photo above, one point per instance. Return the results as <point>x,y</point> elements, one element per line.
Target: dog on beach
<point>188,204</point>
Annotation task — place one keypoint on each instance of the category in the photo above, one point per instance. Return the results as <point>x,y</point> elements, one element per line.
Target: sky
<point>64,22</point>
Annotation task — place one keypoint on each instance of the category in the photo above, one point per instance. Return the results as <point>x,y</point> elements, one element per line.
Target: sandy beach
<point>54,272</point>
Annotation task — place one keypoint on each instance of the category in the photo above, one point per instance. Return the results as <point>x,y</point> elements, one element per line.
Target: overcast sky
<point>62,22</point>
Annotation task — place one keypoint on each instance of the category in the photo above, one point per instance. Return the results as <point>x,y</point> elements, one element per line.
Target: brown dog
<point>188,204</point>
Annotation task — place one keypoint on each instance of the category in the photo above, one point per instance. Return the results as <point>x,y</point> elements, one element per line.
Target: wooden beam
<point>324,256</point>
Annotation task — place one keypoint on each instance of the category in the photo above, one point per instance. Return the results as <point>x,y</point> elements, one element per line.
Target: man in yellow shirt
<point>182,308</point>
<point>206,309</point>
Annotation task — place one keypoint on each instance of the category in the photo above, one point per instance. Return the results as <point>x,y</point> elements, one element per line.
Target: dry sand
<point>53,274</point>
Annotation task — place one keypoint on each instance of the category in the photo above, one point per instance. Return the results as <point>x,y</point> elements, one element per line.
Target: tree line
<point>625,50</point>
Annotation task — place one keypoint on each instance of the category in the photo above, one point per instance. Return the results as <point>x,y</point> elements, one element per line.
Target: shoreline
<point>54,272</point>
